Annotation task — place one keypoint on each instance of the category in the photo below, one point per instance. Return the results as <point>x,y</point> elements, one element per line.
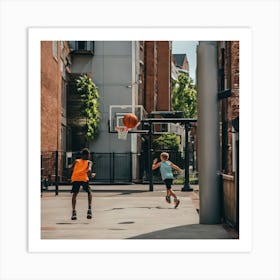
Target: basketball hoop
<point>122,132</point>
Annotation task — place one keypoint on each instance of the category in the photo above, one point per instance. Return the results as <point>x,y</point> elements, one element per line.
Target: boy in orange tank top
<point>81,170</point>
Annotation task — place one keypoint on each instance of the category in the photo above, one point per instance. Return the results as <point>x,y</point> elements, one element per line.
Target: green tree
<point>184,96</point>
<point>90,105</point>
<point>168,141</point>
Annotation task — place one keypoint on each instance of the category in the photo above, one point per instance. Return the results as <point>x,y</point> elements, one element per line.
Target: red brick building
<point>157,76</point>
<point>228,61</point>
<point>55,62</point>
<point>229,107</point>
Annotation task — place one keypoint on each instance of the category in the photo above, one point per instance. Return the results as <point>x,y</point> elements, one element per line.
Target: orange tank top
<point>80,171</point>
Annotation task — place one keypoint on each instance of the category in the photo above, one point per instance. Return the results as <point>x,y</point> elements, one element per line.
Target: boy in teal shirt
<point>166,167</point>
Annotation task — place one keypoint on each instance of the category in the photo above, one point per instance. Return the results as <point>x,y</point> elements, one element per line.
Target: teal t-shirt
<point>166,170</point>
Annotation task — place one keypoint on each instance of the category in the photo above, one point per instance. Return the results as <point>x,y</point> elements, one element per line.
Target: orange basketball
<point>130,120</point>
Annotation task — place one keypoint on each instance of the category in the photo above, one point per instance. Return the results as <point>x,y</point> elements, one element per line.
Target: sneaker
<point>176,201</point>
<point>74,215</point>
<point>167,198</point>
<point>89,214</point>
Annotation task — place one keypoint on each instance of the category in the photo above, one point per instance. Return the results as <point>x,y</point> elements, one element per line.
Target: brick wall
<point>150,75</point>
<point>230,106</point>
<point>157,76</point>
<point>234,100</point>
<point>50,98</point>
<point>229,109</point>
<point>164,74</point>
<point>233,81</point>
<point>51,103</point>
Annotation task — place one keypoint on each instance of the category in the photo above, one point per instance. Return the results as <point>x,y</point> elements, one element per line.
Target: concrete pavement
<point>126,212</point>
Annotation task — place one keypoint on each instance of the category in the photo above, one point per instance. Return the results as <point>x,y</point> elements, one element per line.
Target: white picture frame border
<point>16,262</point>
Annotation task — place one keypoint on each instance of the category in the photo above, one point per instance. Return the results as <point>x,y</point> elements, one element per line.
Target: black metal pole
<point>150,149</point>
<point>113,168</point>
<point>42,175</point>
<point>186,187</point>
<point>56,172</point>
<point>193,160</point>
<point>130,170</point>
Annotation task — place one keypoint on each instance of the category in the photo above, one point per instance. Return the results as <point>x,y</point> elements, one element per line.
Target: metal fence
<point>113,168</point>
<point>110,168</point>
<point>53,166</point>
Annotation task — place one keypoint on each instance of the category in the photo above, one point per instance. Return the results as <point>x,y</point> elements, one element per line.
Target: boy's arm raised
<point>156,164</point>
<point>177,168</point>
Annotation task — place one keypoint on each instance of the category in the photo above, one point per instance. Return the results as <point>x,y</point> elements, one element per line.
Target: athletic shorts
<point>76,186</point>
<point>168,183</point>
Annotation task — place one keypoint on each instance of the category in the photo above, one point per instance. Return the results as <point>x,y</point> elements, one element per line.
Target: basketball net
<point>122,132</point>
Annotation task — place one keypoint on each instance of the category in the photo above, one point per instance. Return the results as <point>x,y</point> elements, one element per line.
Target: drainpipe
<point>208,132</point>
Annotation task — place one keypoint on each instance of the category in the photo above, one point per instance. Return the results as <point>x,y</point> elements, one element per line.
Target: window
<point>82,47</point>
<point>164,127</point>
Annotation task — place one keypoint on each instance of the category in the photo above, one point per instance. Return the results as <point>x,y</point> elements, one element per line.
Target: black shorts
<point>76,186</point>
<point>168,183</point>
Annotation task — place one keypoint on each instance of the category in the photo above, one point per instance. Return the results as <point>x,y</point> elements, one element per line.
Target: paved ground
<point>126,211</point>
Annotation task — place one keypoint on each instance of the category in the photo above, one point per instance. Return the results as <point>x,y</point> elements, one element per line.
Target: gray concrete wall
<point>112,73</point>
<point>111,67</point>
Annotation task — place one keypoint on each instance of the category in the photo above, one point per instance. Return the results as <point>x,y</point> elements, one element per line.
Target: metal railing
<point>110,168</point>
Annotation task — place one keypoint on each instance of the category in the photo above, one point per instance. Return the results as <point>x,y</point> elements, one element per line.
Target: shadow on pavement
<point>194,231</point>
<point>117,191</point>
<point>121,192</point>
<point>141,207</point>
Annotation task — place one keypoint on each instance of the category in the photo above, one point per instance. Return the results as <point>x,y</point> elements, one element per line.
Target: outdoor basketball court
<point>131,211</point>
<point>123,212</point>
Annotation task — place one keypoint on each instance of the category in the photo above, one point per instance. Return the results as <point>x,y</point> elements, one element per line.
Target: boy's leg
<point>74,199</point>
<point>74,213</point>
<point>89,200</point>
<point>87,188</point>
<point>75,191</point>
<point>167,184</point>
<point>167,198</point>
<point>89,213</point>
<point>169,191</point>
<point>176,200</point>
<point>173,194</point>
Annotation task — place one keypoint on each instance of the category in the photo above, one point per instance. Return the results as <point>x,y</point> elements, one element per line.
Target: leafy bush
<point>90,105</point>
<point>168,141</point>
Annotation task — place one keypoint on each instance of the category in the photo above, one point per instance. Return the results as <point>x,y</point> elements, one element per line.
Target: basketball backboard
<point>117,112</point>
